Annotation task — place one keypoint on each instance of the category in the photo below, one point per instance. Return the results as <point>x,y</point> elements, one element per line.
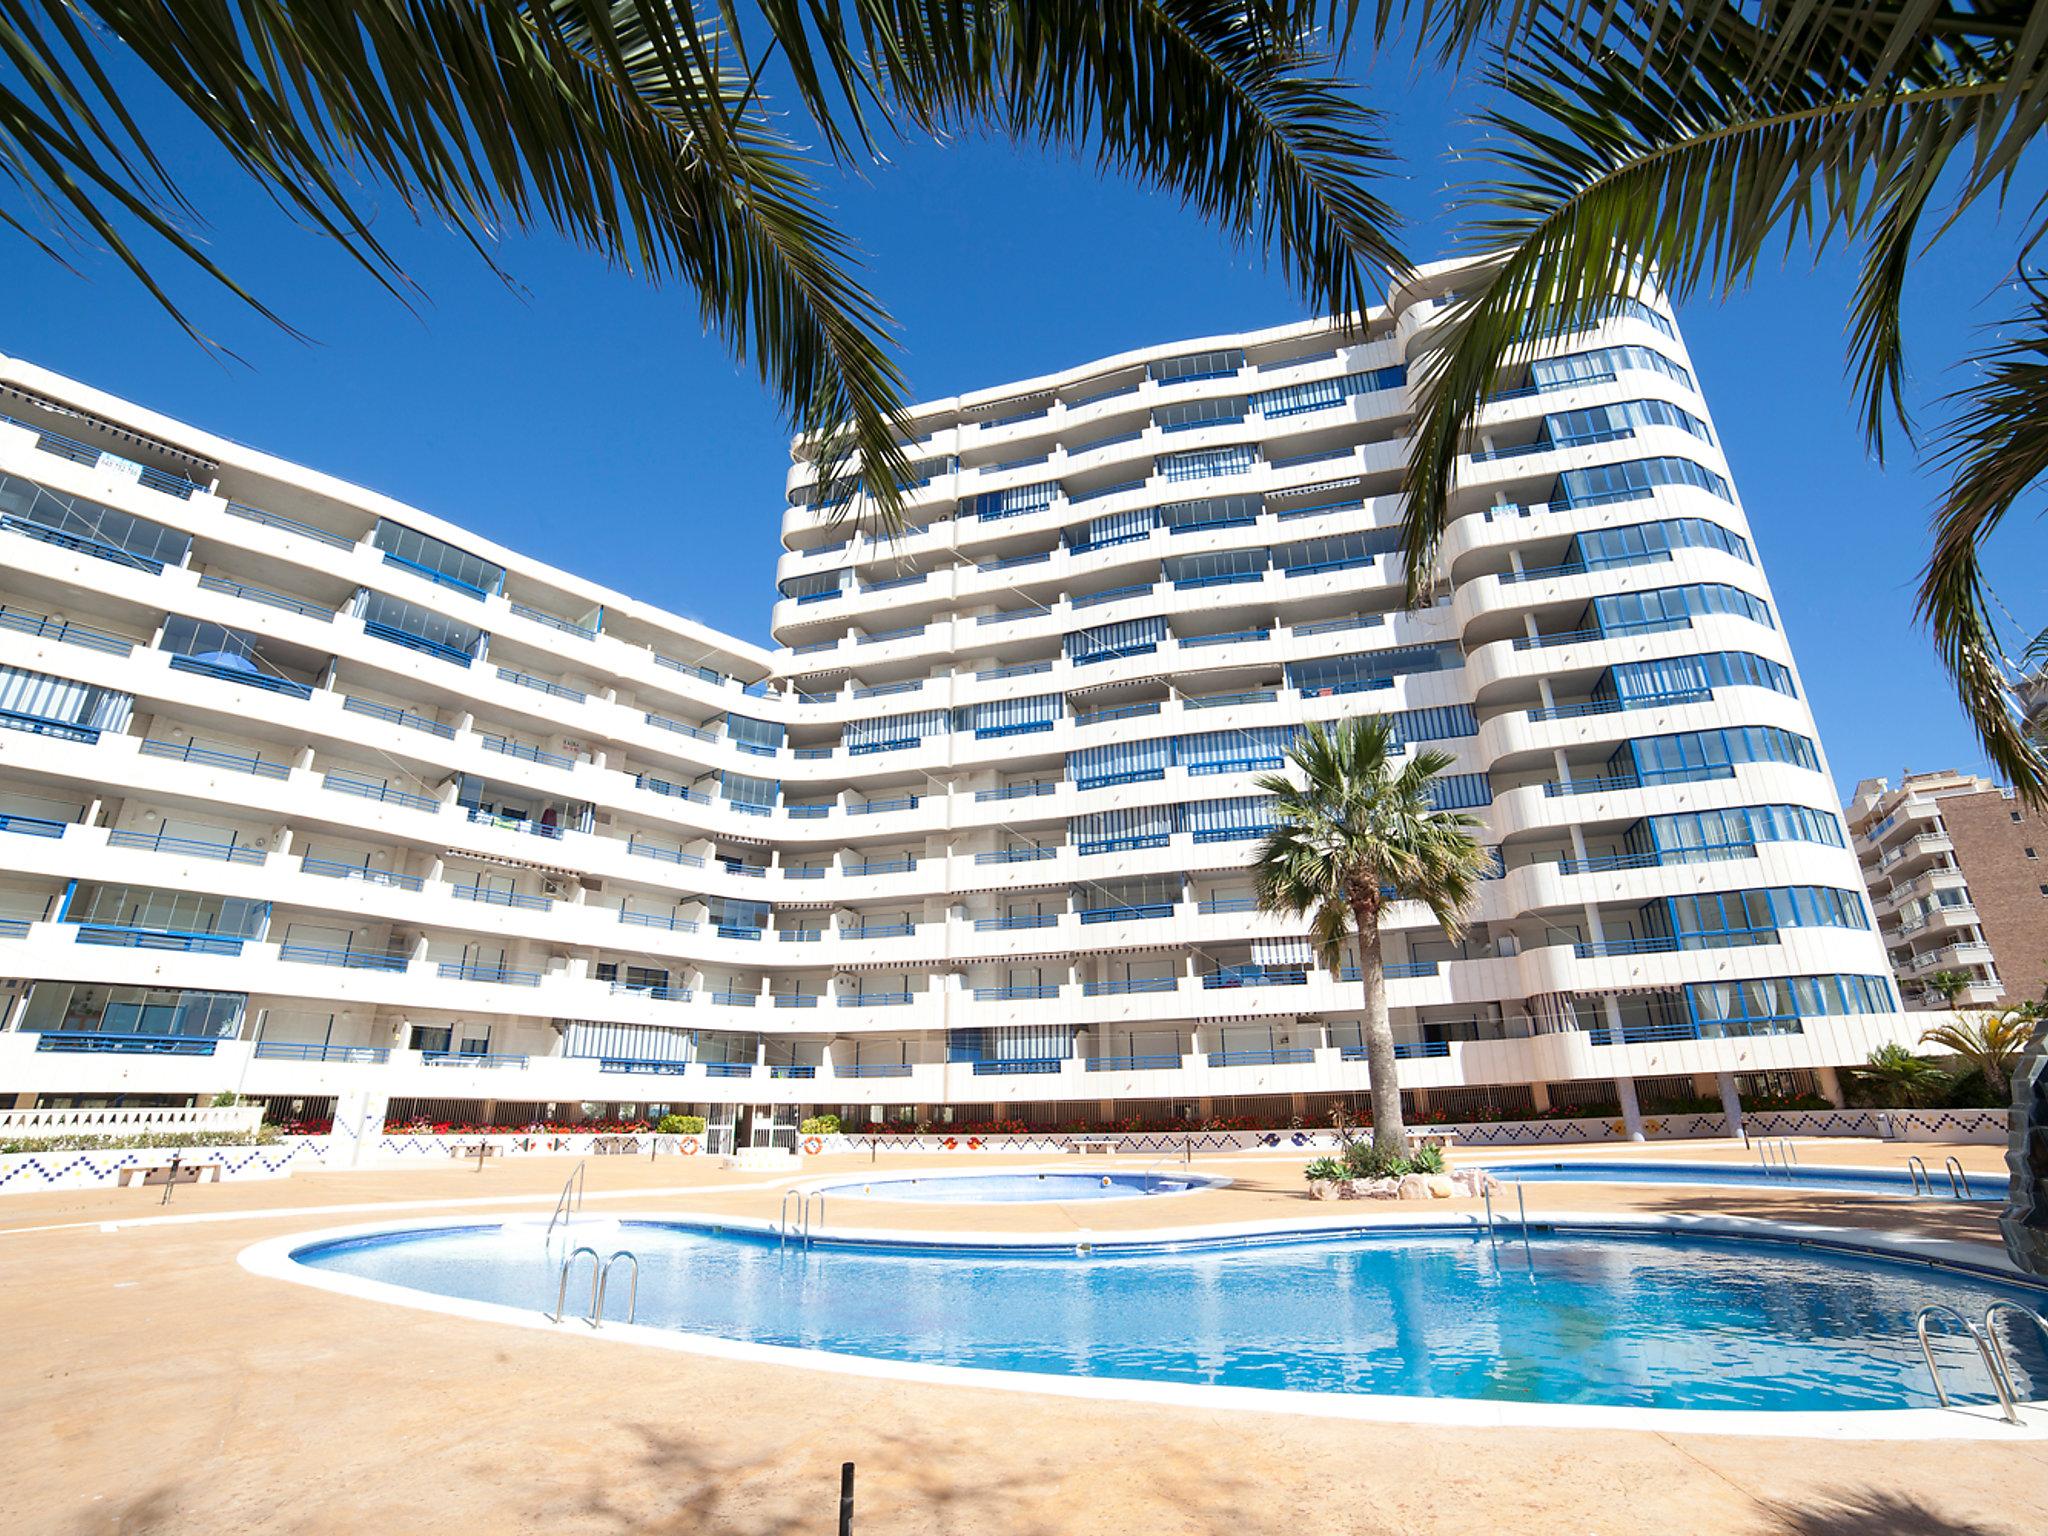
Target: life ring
<point>688,1146</point>
<point>813,1146</point>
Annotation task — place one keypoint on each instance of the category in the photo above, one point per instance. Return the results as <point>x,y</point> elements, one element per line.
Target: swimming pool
<point>1018,1188</point>
<point>1621,1316</point>
<point>1837,1180</point>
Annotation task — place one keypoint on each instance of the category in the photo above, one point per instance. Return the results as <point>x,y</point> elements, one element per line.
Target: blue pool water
<point>1599,1318</point>
<point>1863,1181</point>
<point>1013,1188</point>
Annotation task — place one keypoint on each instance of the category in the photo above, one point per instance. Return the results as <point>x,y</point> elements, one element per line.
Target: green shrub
<point>226,1100</point>
<point>1363,1160</point>
<point>820,1125</point>
<point>1426,1160</point>
<point>1324,1168</point>
<point>680,1125</point>
<point>263,1136</point>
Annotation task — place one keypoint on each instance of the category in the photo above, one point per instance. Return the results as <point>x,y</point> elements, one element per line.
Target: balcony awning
<point>113,429</point>
<point>1283,952</point>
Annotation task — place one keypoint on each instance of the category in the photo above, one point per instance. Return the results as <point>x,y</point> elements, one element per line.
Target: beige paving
<point>150,1385</point>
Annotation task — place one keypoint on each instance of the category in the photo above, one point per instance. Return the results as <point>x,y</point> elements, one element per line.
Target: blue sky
<point>586,418</point>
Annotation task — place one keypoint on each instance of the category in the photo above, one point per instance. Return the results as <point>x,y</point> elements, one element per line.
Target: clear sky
<point>586,419</point>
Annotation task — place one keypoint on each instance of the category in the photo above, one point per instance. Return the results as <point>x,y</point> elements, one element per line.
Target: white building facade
<point>307,794</point>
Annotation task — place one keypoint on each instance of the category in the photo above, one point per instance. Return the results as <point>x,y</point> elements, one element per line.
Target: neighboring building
<point>1958,877</point>
<point>313,795</point>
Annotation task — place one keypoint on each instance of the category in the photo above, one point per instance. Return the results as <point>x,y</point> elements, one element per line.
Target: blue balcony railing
<point>664,920</point>
<point>1016,924</point>
<point>1251,976</point>
<point>31,826</point>
<point>1217,905</point>
<point>881,807</point>
<point>734,999</point>
<point>796,999</point>
<point>1039,992</point>
<point>289,525</point>
<point>341,959</point>
<point>1149,1061</point>
<point>42,626</point>
<point>1617,706</point>
<point>871,1069</point>
<point>267,598</point>
<point>1607,949</point>
<point>148,1045</point>
<point>1130,986</point>
<point>455,970</point>
<point>728,1069</point>
<point>1278,1057</point>
<point>1128,914</point>
<point>878,931</point>
<point>439,578</point>
<point>395,716</point>
<point>1017,1066</point>
<point>417,642</point>
<point>270,682</point>
<point>1413,1050</point>
<point>659,993</point>
<point>637,1064</point>
<point>370,789</point>
<point>186,847</point>
<point>874,999</point>
<point>541,685</point>
<point>520,749</point>
<point>346,1055</point>
<point>118,936</point>
<point>487,1059</point>
<point>335,869</point>
<point>581,631</point>
<point>793,1069</point>
<point>491,897</point>
<point>78,544</point>
<point>207,757</point>
<point>1015,792</point>
<point>1016,855</point>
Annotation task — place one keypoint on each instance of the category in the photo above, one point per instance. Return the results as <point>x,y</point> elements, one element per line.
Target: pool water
<point>1862,1181</point>
<point>1016,1188</point>
<point>1578,1317</point>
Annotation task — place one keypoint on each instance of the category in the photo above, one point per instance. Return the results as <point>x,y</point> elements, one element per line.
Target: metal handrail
<point>1787,1156</point>
<point>1999,1381</point>
<point>803,1198</point>
<point>1998,1348</point>
<point>569,1202</point>
<point>604,1280</point>
<point>1918,1170</point>
<point>596,1272</point>
<point>1958,1180</point>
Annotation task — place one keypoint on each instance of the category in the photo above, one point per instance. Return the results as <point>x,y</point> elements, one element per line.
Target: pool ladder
<point>600,1283</point>
<point>1785,1159</point>
<point>1958,1180</point>
<point>1989,1348</point>
<point>569,1202</point>
<point>783,1226</point>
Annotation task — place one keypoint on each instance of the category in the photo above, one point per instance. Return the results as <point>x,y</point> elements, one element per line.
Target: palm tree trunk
<point>1389,1132</point>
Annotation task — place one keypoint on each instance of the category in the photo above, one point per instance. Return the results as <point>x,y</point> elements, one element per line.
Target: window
<point>2030,853</point>
<point>1633,481</point>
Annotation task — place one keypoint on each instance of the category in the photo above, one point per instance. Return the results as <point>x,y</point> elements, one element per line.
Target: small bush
<point>157,1140</point>
<point>1323,1168</point>
<point>226,1100</point>
<point>1363,1160</point>
<point>1426,1160</point>
<point>820,1125</point>
<point>680,1125</point>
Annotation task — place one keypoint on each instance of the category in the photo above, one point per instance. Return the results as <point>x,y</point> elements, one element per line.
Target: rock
<point>1347,1189</point>
<point>1380,1189</point>
<point>1413,1186</point>
<point>1440,1186</point>
<point>1322,1189</point>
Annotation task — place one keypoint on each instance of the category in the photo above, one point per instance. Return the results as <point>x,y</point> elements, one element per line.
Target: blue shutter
<point>1262,746</point>
<point>1010,717</point>
<point>1148,826</point>
<point>1120,762</point>
<point>1132,637</point>
<point>1225,821</point>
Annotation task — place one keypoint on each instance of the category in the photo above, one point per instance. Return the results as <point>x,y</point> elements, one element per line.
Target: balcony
<point>1277,1057</point>
<point>145,1045</point>
<point>488,1059</point>
<point>40,626</point>
<point>371,789</point>
<point>1019,1066</point>
<point>440,649</point>
<point>455,970</point>
<point>344,1055</point>
<point>206,757</point>
<point>185,847</point>
<point>342,959</point>
<point>244,672</point>
<point>1130,986</point>
<point>1149,1062</point>
<point>118,936</point>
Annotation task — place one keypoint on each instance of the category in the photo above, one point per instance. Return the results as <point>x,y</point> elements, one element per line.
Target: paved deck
<point>153,1386</point>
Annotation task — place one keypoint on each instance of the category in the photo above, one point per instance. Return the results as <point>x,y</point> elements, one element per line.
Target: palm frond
<point>1995,451</point>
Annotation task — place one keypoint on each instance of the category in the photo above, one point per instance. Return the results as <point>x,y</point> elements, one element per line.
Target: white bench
<point>1086,1144</point>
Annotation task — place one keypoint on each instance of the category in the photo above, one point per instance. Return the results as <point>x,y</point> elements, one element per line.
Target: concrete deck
<point>154,1386</point>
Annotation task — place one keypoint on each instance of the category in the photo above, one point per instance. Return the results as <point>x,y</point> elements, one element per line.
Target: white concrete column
<point>1625,1089</point>
<point>358,1123</point>
<point>1830,1085</point>
<point>1731,1102</point>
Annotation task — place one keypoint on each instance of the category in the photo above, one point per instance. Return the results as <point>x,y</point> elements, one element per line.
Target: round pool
<point>1817,1176</point>
<point>1020,1187</point>
<point>1615,1315</point>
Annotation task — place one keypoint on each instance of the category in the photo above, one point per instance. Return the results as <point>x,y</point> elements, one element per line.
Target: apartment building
<point>309,794</point>
<point>1958,874</point>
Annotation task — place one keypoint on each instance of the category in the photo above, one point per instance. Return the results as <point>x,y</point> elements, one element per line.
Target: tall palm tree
<point>1351,833</point>
<point>1988,1043</point>
<point>643,130</point>
<point>1687,140</point>
<point>1947,985</point>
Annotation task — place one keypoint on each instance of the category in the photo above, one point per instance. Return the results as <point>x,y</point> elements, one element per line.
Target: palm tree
<point>1989,1043</point>
<point>1898,1078</point>
<point>642,130</point>
<point>1948,986</point>
<point>1350,834</point>
<point>1685,143</point>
